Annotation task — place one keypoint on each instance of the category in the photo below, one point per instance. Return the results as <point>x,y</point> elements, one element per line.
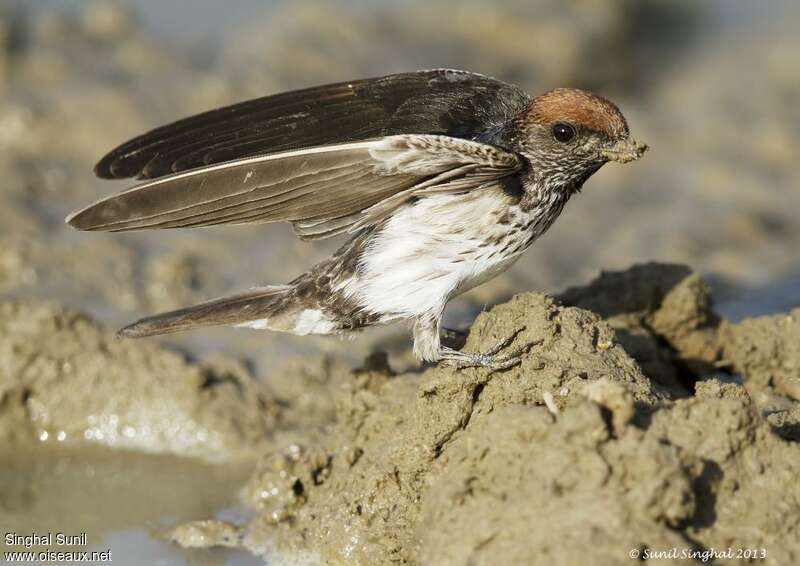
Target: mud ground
<point>638,419</point>
<point>579,453</point>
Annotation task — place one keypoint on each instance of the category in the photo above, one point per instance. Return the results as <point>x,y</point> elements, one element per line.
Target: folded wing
<point>322,191</point>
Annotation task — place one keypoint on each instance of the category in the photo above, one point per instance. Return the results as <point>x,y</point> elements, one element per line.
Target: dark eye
<point>563,132</point>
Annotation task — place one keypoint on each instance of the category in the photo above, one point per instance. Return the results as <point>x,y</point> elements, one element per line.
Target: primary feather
<point>322,190</point>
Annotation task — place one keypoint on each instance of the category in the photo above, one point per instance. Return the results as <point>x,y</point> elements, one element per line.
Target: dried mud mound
<point>575,453</point>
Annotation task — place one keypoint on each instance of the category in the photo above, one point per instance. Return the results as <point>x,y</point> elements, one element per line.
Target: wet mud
<point>579,450</point>
<point>637,419</point>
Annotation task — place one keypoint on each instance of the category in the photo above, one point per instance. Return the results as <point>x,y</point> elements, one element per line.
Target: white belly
<point>432,250</point>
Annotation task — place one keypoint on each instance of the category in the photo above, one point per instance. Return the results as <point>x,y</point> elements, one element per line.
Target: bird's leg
<point>490,358</point>
<point>428,347</point>
<point>427,341</point>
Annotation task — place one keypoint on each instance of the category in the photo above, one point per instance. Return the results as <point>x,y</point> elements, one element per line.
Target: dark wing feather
<point>447,102</point>
<point>323,191</point>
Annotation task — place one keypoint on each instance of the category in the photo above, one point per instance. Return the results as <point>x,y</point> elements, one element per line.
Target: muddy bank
<point>66,381</point>
<point>657,425</point>
<point>638,419</point>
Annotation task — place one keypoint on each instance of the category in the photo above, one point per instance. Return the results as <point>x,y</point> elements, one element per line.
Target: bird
<point>440,179</point>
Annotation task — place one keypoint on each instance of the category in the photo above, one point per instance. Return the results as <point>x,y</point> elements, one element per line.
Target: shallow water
<point>123,501</point>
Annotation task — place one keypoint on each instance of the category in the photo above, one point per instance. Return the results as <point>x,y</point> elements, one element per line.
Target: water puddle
<point>124,502</point>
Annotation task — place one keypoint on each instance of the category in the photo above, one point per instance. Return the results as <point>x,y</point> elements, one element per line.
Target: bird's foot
<point>491,358</point>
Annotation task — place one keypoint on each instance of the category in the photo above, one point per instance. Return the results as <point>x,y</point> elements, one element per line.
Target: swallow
<point>440,180</point>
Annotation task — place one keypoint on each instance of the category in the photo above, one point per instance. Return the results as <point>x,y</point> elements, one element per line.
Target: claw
<point>504,343</point>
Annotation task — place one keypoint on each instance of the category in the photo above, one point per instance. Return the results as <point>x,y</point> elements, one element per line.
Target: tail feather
<point>254,304</point>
